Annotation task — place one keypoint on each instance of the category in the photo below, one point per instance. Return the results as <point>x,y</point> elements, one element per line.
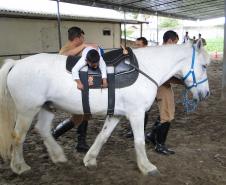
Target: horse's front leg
<point>137,124</point>
<point>109,125</point>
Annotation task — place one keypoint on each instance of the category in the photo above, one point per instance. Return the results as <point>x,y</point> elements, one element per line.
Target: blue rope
<point>190,105</point>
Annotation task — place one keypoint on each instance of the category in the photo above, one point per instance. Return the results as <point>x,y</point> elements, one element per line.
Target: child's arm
<point>79,84</point>
<point>75,72</point>
<point>103,68</point>
<point>103,71</point>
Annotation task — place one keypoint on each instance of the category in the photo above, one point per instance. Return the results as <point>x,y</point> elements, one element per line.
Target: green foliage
<point>128,33</point>
<point>168,22</point>
<point>215,44</point>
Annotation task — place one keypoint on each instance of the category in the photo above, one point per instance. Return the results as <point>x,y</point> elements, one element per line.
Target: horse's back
<point>42,58</point>
<point>32,78</point>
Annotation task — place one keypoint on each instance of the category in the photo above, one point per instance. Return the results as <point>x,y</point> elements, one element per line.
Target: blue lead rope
<point>189,105</point>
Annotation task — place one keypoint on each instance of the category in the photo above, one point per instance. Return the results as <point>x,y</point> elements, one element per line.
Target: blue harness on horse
<point>190,105</point>
<point>191,71</point>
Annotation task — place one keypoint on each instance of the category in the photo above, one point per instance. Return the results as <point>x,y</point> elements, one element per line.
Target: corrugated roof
<point>185,9</point>
<point>48,9</point>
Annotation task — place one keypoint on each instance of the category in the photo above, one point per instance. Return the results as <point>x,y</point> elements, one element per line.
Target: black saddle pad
<point>71,61</point>
<point>125,75</point>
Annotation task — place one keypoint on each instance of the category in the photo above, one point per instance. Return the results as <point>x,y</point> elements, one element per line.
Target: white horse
<point>27,84</point>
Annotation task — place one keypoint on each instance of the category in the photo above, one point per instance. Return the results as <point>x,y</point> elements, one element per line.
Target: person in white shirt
<point>74,47</point>
<point>92,58</point>
<point>186,38</point>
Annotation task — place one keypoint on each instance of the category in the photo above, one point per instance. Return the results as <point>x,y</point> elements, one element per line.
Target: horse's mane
<point>189,45</point>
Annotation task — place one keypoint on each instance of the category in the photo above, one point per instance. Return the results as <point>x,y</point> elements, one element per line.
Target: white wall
<point>19,36</point>
<point>93,33</point>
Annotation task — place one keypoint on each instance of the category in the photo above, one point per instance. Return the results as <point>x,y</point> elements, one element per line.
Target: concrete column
<point>223,94</point>
<point>59,21</point>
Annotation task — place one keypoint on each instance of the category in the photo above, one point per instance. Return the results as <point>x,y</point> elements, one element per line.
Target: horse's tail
<point>7,111</point>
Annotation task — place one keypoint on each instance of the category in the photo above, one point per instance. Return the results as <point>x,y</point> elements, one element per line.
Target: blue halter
<point>191,71</point>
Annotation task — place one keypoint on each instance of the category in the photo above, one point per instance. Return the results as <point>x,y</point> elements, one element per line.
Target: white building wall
<point>20,36</point>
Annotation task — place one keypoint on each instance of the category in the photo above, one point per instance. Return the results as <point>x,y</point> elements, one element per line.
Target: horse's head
<point>195,73</point>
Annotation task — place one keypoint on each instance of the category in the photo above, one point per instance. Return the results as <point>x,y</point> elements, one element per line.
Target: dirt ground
<point>199,139</point>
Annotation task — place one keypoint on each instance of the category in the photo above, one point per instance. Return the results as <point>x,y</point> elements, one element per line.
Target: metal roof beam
<point>160,4</point>
<point>200,12</point>
<point>189,5</point>
<point>132,2</point>
<point>199,7</point>
<point>183,9</point>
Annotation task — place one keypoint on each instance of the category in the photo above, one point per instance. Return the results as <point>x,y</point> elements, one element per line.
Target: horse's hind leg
<point>109,125</point>
<point>23,123</point>
<point>137,124</point>
<point>43,126</point>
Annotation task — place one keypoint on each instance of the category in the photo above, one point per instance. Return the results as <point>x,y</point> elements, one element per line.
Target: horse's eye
<point>204,66</point>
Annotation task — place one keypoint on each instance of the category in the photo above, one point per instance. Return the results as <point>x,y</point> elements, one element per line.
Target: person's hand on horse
<point>80,86</point>
<point>105,83</point>
<point>125,51</point>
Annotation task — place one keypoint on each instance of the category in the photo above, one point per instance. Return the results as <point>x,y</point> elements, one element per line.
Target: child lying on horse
<point>93,59</point>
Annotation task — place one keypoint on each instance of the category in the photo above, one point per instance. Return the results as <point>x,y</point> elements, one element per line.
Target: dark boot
<point>161,135</point>
<point>82,129</point>
<point>170,151</point>
<point>62,128</point>
<point>150,136</point>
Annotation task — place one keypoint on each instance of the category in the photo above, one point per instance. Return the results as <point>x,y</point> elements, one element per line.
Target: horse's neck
<point>172,68</point>
<point>162,62</point>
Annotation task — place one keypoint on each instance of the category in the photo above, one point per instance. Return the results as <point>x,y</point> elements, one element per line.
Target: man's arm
<point>74,51</point>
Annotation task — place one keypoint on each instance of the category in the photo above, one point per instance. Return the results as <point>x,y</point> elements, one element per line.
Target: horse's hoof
<point>154,173</point>
<point>91,167</point>
<point>62,159</point>
<point>59,159</point>
<point>20,168</point>
<point>90,163</point>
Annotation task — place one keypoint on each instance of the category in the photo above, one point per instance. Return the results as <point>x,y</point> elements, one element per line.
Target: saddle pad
<point>126,78</point>
<point>71,61</point>
<point>125,75</point>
